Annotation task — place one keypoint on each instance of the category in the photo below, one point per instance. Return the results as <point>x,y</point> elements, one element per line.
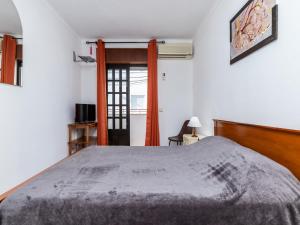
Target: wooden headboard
<point>280,145</point>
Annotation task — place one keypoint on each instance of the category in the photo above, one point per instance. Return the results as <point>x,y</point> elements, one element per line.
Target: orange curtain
<point>102,131</point>
<point>152,126</point>
<point>9,50</point>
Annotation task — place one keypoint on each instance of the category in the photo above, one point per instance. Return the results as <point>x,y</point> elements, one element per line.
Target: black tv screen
<point>85,113</point>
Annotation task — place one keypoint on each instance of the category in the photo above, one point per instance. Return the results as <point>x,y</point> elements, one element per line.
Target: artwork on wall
<point>253,27</point>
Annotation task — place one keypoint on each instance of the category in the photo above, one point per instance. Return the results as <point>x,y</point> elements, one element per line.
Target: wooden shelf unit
<point>84,141</point>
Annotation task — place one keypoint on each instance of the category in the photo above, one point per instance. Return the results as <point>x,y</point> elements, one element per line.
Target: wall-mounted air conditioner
<point>175,51</point>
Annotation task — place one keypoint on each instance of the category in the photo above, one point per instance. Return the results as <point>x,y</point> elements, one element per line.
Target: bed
<point>214,182</point>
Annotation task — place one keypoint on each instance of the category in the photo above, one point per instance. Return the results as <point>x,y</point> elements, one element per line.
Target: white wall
<point>263,88</point>
<point>34,118</point>
<point>175,96</point>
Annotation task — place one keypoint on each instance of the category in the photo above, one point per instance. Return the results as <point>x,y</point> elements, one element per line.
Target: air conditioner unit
<point>175,51</point>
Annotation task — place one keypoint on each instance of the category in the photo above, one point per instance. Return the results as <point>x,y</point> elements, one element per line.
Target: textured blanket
<point>213,182</point>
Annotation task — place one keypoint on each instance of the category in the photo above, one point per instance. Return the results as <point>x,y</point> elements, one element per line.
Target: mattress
<point>213,182</point>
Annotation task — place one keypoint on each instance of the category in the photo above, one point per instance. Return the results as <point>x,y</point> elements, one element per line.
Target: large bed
<point>213,182</point>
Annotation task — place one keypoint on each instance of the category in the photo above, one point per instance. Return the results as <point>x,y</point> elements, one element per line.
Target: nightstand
<point>189,140</point>
<point>84,141</point>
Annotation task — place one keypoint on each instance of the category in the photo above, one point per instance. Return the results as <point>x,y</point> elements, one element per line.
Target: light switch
<point>163,76</point>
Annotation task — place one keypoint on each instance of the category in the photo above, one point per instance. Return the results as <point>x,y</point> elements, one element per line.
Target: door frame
<point>120,67</point>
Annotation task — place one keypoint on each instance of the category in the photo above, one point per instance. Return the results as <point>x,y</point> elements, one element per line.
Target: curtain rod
<point>13,37</point>
<point>125,42</point>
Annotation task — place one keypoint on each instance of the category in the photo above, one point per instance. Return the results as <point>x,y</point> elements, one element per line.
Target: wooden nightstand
<point>189,140</point>
<point>84,141</point>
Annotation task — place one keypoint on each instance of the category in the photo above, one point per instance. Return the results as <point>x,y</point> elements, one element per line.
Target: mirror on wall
<point>11,44</point>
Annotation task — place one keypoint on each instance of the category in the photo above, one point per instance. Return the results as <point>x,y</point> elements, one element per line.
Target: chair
<point>179,138</point>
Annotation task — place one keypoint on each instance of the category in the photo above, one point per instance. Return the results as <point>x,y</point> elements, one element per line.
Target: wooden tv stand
<point>85,140</point>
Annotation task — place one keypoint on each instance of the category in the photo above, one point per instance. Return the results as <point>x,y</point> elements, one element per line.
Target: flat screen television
<point>85,113</point>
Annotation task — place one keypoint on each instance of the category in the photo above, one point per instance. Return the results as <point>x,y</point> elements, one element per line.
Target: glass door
<point>118,107</point>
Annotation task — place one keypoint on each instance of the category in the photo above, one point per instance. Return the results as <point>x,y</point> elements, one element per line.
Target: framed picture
<point>253,27</point>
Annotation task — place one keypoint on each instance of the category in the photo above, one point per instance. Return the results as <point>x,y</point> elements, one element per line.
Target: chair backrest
<point>185,129</point>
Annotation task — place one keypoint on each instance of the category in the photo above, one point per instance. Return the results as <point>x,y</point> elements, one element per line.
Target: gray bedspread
<point>213,182</point>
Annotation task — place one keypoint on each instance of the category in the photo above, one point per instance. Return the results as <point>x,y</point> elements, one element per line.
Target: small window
<point>18,67</point>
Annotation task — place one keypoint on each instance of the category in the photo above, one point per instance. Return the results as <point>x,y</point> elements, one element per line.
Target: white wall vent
<point>175,51</point>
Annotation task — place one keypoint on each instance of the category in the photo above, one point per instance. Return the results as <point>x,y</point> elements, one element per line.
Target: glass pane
<point>110,111</point>
<point>138,90</point>
<point>109,86</point>
<point>109,74</point>
<point>124,124</point>
<point>117,123</point>
<point>124,77</point>
<point>117,86</point>
<point>124,99</point>
<point>117,99</point>
<point>117,111</point>
<point>124,111</point>
<point>117,75</point>
<point>124,86</point>
<point>110,124</point>
<point>109,100</point>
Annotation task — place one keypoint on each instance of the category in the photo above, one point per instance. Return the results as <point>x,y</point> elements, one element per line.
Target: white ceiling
<point>9,18</point>
<point>133,18</point>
